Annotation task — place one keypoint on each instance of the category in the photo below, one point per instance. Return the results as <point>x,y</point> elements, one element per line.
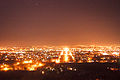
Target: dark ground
<point>85,71</point>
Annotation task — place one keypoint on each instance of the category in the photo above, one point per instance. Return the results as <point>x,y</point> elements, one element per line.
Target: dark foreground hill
<point>86,71</point>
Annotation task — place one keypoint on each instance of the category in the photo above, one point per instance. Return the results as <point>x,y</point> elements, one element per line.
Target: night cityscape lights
<point>32,59</point>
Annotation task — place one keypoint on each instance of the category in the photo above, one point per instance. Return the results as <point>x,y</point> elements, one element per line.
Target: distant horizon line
<point>85,45</point>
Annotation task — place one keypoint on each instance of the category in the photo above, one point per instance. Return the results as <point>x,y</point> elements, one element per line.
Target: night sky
<point>59,22</point>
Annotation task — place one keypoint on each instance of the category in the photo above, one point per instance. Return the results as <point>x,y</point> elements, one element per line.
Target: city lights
<point>33,59</point>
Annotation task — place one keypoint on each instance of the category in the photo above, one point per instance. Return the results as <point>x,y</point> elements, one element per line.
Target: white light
<point>66,49</point>
<point>115,53</point>
<point>105,53</point>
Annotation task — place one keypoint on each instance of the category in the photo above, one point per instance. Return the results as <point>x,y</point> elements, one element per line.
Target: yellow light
<point>53,60</point>
<point>30,61</point>
<point>5,69</point>
<point>66,49</point>
<point>72,56</point>
<point>70,69</point>
<point>57,61</point>
<point>31,69</point>
<point>1,66</point>
<point>66,54</point>
<point>18,63</point>
<point>35,65</point>
<point>40,64</point>
<point>66,57</point>
<point>43,72</point>
<point>6,59</point>
<point>25,62</point>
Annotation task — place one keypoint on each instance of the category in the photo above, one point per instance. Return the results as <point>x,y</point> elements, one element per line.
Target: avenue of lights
<point>35,58</point>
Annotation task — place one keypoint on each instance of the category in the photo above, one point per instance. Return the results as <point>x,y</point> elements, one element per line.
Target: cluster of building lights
<point>32,59</point>
<point>25,65</point>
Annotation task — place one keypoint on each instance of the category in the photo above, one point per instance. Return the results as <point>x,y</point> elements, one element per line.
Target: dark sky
<point>59,22</point>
